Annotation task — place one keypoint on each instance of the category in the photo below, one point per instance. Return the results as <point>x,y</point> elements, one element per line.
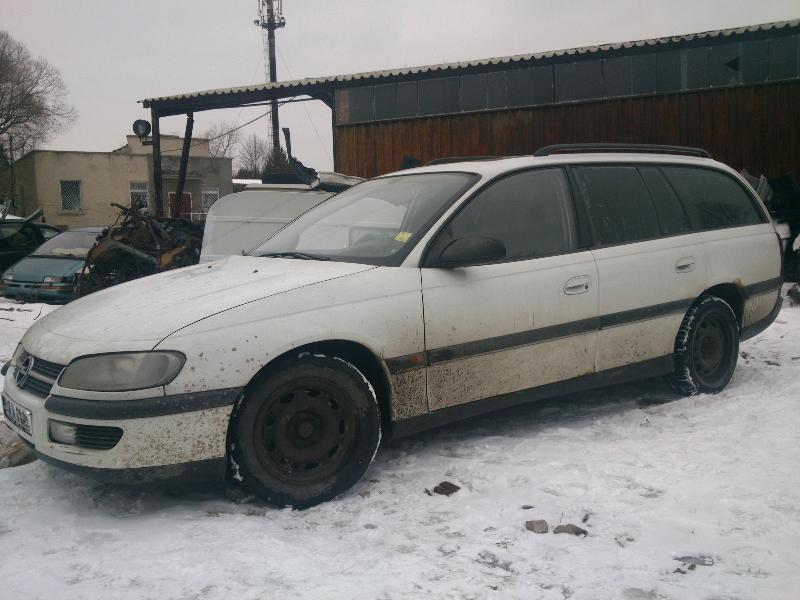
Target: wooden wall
<point>753,127</point>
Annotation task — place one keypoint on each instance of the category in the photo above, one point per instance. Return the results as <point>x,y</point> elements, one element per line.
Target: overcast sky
<point>113,53</point>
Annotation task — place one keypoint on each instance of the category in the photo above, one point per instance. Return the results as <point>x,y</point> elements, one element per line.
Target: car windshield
<point>69,243</point>
<point>375,222</point>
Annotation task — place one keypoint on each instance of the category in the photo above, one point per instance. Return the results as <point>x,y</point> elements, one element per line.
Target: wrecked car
<point>48,274</point>
<point>403,303</point>
<point>136,245</point>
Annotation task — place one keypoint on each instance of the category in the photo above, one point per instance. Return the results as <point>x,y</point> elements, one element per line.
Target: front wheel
<point>306,432</point>
<point>706,348</point>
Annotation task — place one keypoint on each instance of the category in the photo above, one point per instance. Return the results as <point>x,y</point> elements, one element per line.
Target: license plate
<point>16,415</point>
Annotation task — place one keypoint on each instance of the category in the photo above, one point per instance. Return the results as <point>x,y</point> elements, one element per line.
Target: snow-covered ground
<point>716,478</point>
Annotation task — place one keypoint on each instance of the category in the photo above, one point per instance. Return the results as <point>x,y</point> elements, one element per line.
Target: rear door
<point>740,242</point>
<point>17,240</point>
<point>517,323</point>
<point>650,263</point>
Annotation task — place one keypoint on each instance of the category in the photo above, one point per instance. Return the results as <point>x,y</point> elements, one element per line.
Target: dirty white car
<point>405,302</point>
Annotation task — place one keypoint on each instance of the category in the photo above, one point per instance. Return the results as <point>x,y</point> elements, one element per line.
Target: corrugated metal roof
<point>455,66</point>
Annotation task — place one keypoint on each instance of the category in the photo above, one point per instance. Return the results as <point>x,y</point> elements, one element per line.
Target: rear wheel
<point>306,432</point>
<point>706,348</point>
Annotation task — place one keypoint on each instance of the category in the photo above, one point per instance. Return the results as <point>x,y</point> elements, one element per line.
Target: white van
<point>241,221</point>
<point>403,303</point>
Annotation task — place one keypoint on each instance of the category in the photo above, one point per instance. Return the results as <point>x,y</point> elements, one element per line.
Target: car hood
<point>33,269</point>
<point>139,314</point>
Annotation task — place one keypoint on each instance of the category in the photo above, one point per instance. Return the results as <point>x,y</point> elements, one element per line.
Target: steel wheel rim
<point>306,434</point>
<point>711,349</point>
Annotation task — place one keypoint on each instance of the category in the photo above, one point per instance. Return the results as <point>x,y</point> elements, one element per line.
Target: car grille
<point>42,377</point>
<point>96,437</point>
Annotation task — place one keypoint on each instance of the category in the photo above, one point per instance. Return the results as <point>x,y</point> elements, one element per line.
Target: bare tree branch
<point>223,140</point>
<point>33,105</point>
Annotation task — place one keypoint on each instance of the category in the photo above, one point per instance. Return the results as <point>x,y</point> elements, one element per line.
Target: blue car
<point>48,274</point>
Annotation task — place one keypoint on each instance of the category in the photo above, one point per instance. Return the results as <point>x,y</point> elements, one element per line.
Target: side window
<point>18,237</point>
<point>529,212</point>
<point>671,214</point>
<point>48,232</point>
<point>713,199</point>
<point>619,205</point>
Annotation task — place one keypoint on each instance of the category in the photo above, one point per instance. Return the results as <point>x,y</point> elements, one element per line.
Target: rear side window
<point>529,212</point>
<point>713,199</point>
<point>619,205</point>
<point>671,214</point>
<point>18,237</point>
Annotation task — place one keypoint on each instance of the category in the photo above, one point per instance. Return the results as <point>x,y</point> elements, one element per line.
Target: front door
<point>521,322</point>
<point>184,211</point>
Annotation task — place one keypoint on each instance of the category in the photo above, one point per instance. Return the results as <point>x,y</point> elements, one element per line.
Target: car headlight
<point>122,372</point>
<point>52,279</point>
<point>8,276</point>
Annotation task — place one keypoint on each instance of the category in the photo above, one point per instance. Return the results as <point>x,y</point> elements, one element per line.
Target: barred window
<point>210,195</point>
<point>138,194</point>
<point>71,196</point>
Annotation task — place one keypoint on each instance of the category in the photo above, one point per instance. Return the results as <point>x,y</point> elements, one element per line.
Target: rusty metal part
<point>136,245</point>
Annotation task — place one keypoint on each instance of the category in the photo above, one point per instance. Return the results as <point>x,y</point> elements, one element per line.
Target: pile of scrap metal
<point>782,197</point>
<point>138,244</point>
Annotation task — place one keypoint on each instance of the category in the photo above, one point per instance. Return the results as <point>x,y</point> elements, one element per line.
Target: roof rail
<point>454,159</point>
<point>638,148</point>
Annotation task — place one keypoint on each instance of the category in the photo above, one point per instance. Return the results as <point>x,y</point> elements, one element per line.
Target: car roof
<point>84,230</point>
<point>492,166</point>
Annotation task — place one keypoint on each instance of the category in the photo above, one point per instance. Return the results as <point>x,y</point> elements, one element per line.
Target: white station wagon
<point>406,302</point>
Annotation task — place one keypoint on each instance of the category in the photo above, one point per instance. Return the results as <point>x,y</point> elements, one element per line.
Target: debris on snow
<point>537,526</point>
<point>446,488</point>
<point>527,506</point>
<point>13,451</point>
<point>571,529</point>
<point>702,560</point>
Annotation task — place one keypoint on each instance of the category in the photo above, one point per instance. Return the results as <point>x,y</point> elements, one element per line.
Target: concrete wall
<point>105,178</point>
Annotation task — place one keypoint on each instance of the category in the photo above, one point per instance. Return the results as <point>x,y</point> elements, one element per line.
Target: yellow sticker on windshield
<point>403,236</point>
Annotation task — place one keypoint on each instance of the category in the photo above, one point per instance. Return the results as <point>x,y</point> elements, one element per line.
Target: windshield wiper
<point>300,255</point>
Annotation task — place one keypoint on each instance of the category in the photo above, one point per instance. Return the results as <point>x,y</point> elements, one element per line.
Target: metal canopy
<point>322,88</point>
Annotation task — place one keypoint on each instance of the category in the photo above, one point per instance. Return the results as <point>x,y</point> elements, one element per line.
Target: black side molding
<point>110,410</point>
<point>642,370</point>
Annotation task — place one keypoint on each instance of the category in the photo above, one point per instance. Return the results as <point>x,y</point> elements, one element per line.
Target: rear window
<point>74,244</point>
<point>619,205</point>
<point>713,200</point>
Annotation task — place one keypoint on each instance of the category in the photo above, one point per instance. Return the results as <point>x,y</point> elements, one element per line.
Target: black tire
<point>706,348</point>
<point>306,432</point>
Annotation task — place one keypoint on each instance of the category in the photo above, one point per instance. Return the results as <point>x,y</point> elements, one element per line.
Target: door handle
<point>577,285</point>
<point>685,264</point>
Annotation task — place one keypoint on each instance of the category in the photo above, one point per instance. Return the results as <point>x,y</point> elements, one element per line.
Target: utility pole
<point>269,20</point>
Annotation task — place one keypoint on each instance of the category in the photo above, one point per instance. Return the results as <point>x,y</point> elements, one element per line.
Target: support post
<point>187,143</point>
<point>157,174</point>
<point>13,200</point>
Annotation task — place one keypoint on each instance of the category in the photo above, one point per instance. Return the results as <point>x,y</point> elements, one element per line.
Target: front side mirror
<point>472,250</point>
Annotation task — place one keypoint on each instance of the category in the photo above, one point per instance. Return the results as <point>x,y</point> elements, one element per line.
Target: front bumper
<point>38,292</point>
<point>162,437</point>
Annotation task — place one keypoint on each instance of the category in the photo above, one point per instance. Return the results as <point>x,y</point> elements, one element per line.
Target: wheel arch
<point>355,353</point>
<point>730,293</point>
